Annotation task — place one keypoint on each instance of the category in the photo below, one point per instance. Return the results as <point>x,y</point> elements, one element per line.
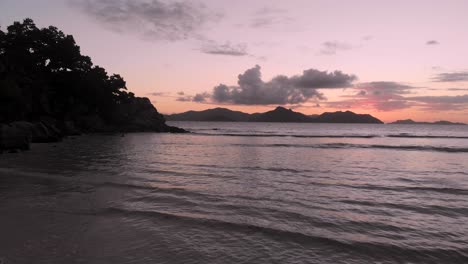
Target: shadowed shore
<point>49,90</point>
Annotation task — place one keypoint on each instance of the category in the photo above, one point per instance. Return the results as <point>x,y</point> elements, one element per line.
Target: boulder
<point>19,135</point>
<point>173,129</point>
<point>14,137</point>
<point>39,132</point>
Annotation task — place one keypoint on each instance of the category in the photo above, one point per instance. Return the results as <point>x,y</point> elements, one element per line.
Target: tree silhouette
<point>43,73</point>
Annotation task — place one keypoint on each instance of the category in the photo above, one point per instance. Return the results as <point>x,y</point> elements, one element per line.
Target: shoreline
<point>18,136</point>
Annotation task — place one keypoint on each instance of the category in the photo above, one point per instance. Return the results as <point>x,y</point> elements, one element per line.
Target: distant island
<point>279,114</point>
<point>48,90</point>
<point>411,122</point>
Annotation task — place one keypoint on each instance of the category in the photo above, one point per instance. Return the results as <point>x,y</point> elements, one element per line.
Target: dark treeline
<point>48,89</point>
<point>44,74</point>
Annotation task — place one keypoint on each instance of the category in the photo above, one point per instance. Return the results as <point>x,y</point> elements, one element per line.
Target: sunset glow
<point>409,58</point>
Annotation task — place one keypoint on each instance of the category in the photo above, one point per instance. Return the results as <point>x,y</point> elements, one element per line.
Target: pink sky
<point>409,57</point>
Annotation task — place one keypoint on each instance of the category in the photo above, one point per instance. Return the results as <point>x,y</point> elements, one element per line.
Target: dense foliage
<point>43,73</point>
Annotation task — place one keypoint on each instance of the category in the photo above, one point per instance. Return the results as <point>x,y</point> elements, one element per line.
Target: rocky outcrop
<point>139,115</point>
<point>18,135</point>
<point>13,138</point>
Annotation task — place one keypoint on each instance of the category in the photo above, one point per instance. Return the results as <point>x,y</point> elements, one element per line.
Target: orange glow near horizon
<point>172,107</point>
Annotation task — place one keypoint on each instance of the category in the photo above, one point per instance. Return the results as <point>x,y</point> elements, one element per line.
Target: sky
<point>392,59</point>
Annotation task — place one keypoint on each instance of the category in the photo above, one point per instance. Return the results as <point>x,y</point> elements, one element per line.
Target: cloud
<point>384,88</point>
<point>316,79</point>
<point>267,10</point>
<point>361,93</point>
<point>458,99</point>
<point>252,90</point>
<point>451,77</point>
<point>432,42</point>
<point>331,47</point>
<point>157,94</point>
<point>366,103</point>
<point>152,19</point>
<point>442,103</point>
<point>198,98</point>
<point>266,21</point>
<point>439,103</point>
<point>449,89</point>
<point>227,49</point>
<point>457,89</point>
<point>268,16</point>
<point>391,96</point>
<point>383,96</point>
<point>184,99</point>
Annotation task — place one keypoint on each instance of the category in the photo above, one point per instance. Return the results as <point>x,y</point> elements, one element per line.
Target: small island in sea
<point>279,114</point>
<point>412,122</point>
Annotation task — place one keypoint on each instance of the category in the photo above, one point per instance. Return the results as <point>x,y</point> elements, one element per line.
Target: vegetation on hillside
<point>44,74</point>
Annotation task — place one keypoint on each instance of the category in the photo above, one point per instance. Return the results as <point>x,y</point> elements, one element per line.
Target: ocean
<point>241,193</point>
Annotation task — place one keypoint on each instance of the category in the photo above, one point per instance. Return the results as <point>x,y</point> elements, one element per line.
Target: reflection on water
<point>198,198</point>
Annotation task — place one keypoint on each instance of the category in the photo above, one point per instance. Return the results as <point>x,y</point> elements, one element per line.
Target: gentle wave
<point>364,146</point>
<point>180,190</point>
<point>427,210</point>
<point>213,223</point>
<point>448,254</point>
<point>285,135</point>
<point>425,136</point>
<point>403,135</point>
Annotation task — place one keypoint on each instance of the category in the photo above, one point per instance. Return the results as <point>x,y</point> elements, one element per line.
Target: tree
<point>42,72</point>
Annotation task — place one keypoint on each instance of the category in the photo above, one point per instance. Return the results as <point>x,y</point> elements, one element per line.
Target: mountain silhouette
<point>279,114</point>
<point>215,114</point>
<point>412,122</point>
<point>346,117</point>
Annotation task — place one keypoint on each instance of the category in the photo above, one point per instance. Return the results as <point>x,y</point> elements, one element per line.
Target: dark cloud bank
<point>281,90</point>
<point>451,77</point>
<point>252,90</point>
<point>159,20</point>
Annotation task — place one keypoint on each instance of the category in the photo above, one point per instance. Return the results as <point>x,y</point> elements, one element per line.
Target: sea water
<point>241,193</point>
